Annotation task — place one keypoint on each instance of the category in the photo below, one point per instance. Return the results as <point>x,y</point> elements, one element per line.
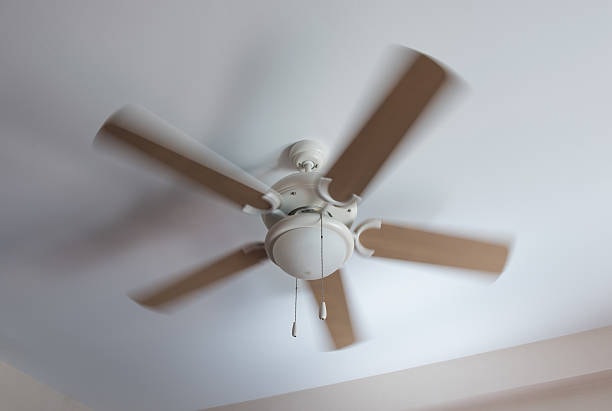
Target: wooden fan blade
<point>148,134</point>
<point>410,244</point>
<point>202,277</point>
<point>338,320</point>
<point>386,127</point>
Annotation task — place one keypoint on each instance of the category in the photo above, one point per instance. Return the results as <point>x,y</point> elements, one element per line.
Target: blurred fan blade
<point>338,320</point>
<point>148,134</point>
<point>202,277</point>
<point>410,244</point>
<point>385,128</point>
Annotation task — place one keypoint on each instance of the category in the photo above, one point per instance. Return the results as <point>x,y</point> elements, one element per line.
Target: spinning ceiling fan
<point>309,214</point>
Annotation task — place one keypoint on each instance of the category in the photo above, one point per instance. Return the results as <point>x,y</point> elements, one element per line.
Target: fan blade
<point>202,277</point>
<point>384,130</point>
<point>148,134</point>
<point>410,244</point>
<point>338,320</point>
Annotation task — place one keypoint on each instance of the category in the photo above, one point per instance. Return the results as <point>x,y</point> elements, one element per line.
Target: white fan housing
<point>295,244</point>
<point>294,238</point>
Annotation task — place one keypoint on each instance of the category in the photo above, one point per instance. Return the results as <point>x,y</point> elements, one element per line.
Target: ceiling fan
<point>309,214</point>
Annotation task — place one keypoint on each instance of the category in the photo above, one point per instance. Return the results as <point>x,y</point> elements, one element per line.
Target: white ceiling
<point>521,151</point>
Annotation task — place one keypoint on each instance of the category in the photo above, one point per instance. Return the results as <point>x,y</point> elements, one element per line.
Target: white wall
<point>20,392</point>
<point>592,392</point>
<point>566,373</point>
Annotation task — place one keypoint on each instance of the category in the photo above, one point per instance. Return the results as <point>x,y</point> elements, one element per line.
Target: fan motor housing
<point>298,192</point>
<point>295,244</point>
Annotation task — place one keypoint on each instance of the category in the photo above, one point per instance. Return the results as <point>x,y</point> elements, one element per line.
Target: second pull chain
<point>322,307</point>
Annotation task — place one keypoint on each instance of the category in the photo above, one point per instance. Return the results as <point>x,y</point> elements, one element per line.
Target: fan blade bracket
<point>251,247</point>
<point>373,223</point>
<point>323,191</point>
<point>271,197</point>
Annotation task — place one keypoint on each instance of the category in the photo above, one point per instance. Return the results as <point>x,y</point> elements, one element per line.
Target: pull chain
<point>322,308</point>
<point>294,327</point>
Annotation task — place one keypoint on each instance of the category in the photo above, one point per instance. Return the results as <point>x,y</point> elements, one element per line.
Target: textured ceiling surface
<point>520,151</point>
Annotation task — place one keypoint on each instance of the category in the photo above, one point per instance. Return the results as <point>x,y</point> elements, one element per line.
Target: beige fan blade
<point>405,243</point>
<point>338,320</point>
<point>148,134</point>
<point>202,277</point>
<point>385,128</point>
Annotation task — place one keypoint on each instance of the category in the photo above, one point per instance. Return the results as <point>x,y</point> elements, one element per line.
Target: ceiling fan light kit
<point>309,213</point>
<point>294,245</point>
